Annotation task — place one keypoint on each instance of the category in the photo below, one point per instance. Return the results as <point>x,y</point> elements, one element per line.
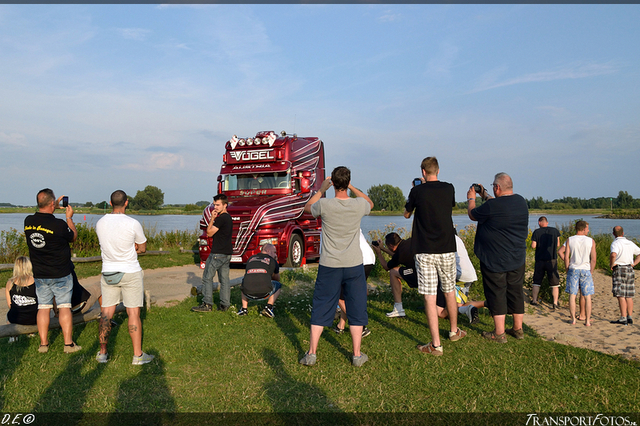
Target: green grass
<point>218,362</point>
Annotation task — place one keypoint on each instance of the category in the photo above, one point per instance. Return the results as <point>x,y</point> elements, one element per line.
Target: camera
<point>417,181</point>
<point>64,202</point>
<point>477,188</point>
<point>375,243</point>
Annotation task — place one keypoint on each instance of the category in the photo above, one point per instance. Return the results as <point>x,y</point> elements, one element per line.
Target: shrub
<point>12,244</point>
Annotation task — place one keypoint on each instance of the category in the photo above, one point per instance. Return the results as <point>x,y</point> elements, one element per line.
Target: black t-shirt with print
<point>48,240</point>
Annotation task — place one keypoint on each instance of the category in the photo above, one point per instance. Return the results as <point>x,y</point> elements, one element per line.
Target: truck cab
<point>268,179</point>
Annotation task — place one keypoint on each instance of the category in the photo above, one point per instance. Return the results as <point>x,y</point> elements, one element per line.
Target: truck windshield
<point>278,180</point>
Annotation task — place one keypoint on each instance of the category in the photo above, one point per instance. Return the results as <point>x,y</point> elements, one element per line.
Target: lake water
<point>190,222</point>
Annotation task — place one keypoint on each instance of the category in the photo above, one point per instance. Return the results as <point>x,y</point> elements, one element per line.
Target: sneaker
<point>629,320</point>
<point>223,308</point>
<point>102,358</point>
<point>491,335</point>
<point>203,307</point>
<point>457,335</point>
<point>396,314</point>
<point>474,315</point>
<point>533,303</point>
<point>69,349</point>
<point>365,333</point>
<point>620,321</point>
<point>13,339</point>
<point>308,359</point>
<point>518,334</point>
<point>142,359</point>
<point>337,330</point>
<point>555,306</point>
<point>268,312</point>
<point>430,349</point>
<point>358,361</point>
<point>242,312</point>
<point>43,349</point>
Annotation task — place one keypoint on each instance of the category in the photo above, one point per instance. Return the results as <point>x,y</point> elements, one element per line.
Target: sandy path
<point>601,336</point>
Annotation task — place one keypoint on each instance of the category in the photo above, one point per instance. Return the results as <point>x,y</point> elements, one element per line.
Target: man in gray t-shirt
<point>340,261</point>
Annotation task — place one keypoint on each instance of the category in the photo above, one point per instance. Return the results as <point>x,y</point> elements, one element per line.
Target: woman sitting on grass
<point>21,294</point>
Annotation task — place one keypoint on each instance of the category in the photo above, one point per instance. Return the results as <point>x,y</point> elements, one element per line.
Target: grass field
<point>218,362</point>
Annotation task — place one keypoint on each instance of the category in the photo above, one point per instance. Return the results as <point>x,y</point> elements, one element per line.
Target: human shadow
<point>11,355</point>
<point>136,405</point>
<point>63,401</point>
<point>288,395</point>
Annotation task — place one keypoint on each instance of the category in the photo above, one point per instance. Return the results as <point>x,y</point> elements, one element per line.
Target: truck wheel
<point>296,251</point>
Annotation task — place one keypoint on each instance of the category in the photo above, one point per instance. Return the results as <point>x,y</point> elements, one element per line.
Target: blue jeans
<point>217,263</point>
<point>48,288</point>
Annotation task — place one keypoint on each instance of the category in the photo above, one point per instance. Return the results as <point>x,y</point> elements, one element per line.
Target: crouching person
<point>261,280</point>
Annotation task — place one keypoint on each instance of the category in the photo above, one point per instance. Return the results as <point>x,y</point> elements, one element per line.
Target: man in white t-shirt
<point>622,262</point>
<point>121,240</point>
<point>580,260</point>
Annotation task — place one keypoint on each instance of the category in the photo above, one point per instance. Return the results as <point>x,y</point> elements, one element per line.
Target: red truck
<point>268,179</point>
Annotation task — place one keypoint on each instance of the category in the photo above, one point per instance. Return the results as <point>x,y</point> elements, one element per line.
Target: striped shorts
<point>623,281</point>
<point>430,266</point>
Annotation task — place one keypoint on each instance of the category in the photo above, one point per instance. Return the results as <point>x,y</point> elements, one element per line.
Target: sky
<point>95,98</point>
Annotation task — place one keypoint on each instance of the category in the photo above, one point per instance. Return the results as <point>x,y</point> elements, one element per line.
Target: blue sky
<point>95,98</point>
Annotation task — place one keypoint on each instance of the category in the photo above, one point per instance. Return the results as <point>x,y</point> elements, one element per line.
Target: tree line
<point>391,198</point>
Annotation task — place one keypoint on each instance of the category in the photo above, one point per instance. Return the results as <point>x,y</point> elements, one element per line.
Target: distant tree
<point>202,203</point>
<point>102,205</point>
<point>624,200</point>
<point>386,197</point>
<point>88,204</point>
<point>150,198</point>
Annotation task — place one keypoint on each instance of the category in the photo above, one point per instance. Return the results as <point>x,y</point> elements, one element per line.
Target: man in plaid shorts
<point>434,245</point>
<point>622,262</point>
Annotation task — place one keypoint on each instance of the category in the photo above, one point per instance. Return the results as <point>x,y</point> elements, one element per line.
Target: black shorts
<point>410,276</point>
<point>503,291</point>
<point>551,268</point>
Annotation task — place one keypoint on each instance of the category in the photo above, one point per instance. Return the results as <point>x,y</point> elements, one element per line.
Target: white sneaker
<point>102,358</point>
<point>395,313</point>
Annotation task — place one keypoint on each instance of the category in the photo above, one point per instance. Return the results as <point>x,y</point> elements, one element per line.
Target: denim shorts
<point>579,279</point>
<point>48,288</point>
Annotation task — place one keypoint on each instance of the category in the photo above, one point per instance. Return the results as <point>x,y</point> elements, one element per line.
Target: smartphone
<point>417,181</point>
<point>375,243</point>
<point>64,202</point>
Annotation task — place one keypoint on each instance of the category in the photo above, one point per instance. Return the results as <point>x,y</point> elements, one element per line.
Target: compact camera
<point>375,243</point>
<point>477,188</point>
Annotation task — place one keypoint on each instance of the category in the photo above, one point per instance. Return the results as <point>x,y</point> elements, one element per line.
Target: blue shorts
<point>48,288</point>
<point>277,285</point>
<point>329,283</point>
<point>580,279</point>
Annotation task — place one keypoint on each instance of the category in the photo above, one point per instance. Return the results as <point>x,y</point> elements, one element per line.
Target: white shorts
<point>129,291</point>
<point>430,267</point>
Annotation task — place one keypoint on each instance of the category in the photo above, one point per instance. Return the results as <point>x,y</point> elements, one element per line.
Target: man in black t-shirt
<point>220,228</point>
<point>401,254</point>
<point>48,240</point>
<point>546,240</point>
<point>501,247</point>
<point>261,280</point>
<point>434,245</point>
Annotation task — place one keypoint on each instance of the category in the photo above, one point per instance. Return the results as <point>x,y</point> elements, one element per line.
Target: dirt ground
<point>601,336</point>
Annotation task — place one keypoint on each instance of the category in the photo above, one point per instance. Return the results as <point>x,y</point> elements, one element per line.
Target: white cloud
<point>16,139</point>
<point>138,34</point>
<point>569,72</point>
<point>158,161</point>
<point>389,16</point>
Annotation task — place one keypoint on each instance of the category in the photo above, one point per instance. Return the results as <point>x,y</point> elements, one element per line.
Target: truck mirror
<point>219,178</point>
<point>305,185</point>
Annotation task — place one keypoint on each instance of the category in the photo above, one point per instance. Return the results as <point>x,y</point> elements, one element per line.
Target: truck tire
<point>296,251</point>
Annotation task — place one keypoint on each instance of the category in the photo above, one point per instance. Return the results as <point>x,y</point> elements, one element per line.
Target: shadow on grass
<point>11,358</point>
<point>288,395</point>
<point>146,397</point>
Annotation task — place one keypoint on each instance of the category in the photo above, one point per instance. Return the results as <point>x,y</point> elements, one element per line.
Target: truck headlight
<point>273,241</point>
